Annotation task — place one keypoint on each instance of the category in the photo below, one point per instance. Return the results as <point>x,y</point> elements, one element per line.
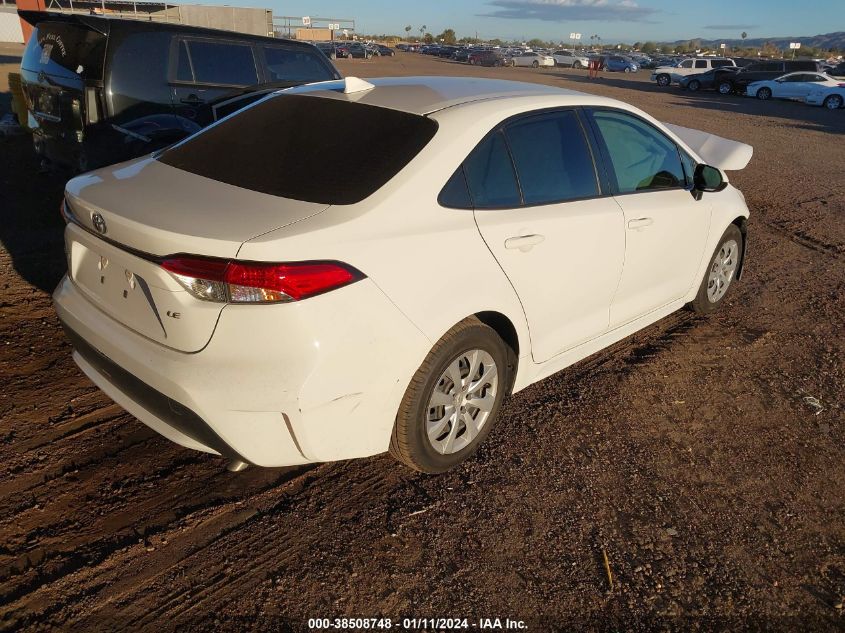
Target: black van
<point>729,83</point>
<point>102,90</point>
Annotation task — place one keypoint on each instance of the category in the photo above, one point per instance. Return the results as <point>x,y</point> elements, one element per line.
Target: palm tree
<point>422,30</point>
<point>407,31</point>
<point>744,35</point>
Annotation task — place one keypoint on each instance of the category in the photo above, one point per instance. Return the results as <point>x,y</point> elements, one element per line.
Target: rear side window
<point>65,50</point>
<point>552,158</point>
<point>642,157</point>
<point>219,63</point>
<point>455,194</point>
<point>281,146</point>
<point>296,65</point>
<point>701,63</point>
<point>719,63</point>
<point>490,175</point>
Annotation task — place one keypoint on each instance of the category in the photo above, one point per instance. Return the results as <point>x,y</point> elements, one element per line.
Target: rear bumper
<point>318,380</point>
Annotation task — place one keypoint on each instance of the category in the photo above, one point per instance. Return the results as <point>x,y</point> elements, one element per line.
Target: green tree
<point>649,47</point>
<point>638,45</point>
<point>447,36</point>
<point>536,43</point>
<point>422,30</point>
<point>428,38</point>
<point>408,31</point>
<point>743,35</point>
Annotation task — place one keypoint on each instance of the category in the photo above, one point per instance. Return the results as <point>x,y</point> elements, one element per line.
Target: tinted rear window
<point>284,64</point>
<point>283,146</point>
<point>65,50</point>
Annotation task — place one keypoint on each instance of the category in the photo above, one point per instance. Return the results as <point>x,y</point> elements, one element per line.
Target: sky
<point>613,20</point>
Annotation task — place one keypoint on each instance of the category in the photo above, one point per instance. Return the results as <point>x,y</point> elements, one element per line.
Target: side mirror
<point>707,179</point>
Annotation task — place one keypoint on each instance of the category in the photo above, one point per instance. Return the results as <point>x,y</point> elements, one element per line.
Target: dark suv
<point>486,58</point>
<point>728,83</point>
<point>103,90</point>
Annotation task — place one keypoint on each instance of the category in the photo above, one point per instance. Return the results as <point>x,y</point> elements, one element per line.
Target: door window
<point>642,158</point>
<point>701,63</point>
<point>553,161</point>
<point>687,64</point>
<point>490,175</point>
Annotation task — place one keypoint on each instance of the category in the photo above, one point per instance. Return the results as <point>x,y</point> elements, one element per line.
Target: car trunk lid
<point>126,220</point>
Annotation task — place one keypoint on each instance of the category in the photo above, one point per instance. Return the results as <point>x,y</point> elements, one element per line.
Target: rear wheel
<point>627,69</point>
<point>833,102</point>
<point>694,85</point>
<point>764,94</point>
<point>725,87</point>
<point>453,399</point>
<point>663,80</point>
<point>724,264</point>
<point>577,65</point>
<point>536,64</point>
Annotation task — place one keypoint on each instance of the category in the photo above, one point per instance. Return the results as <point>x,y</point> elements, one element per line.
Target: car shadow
<point>10,59</point>
<point>31,228</point>
<point>798,114</point>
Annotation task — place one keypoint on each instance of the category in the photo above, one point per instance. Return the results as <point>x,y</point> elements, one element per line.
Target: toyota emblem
<point>99,223</point>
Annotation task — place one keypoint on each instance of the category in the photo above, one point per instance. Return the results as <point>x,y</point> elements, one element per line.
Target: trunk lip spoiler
<point>98,24</point>
<point>715,150</point>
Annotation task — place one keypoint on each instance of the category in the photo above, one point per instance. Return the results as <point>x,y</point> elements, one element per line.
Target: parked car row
<point>801,80</point>
<point>357,50</point>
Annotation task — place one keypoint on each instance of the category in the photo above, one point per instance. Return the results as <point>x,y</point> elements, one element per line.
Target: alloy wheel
<point>462,401</point>
<point>833,102</point>
<point>722,270</point>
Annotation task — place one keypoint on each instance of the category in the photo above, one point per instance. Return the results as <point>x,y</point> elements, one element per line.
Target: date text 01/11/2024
<point>416,624</point>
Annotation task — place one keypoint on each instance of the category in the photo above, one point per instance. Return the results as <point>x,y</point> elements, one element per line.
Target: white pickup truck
<point>667,75</point>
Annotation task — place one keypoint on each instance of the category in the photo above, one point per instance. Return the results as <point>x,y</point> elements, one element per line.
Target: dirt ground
<point>705,456</point>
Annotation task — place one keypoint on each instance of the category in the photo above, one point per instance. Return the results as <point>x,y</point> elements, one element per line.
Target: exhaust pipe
<point>236,466</point>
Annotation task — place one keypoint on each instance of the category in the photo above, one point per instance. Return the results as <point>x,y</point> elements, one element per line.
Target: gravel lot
<point>705,457</point>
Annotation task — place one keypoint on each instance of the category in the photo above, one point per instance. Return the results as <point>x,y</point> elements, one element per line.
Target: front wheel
<point>663,80</point>
<point>720,274</point>
<point>453,399</point>
<point>764,94</point>
<point>694,85</point>
<point>627,69</point>
<point>725,88</point>
<point>577,65</point>
<point>833,102</point>
<point>536,64</point>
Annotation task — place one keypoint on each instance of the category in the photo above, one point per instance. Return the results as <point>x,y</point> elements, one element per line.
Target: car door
<point>665,226</point>
<point>540,209</point>
<point>206,71</point>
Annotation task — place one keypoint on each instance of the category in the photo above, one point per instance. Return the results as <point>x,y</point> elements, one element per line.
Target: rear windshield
<point>307,148</point>
<point>65,50</point>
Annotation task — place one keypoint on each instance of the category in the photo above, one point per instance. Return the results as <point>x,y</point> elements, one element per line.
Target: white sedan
<point>831,97</point>
<point>532,60</point>
<point>791,86</point>
<point>240,299</point>
<point>570,59</point>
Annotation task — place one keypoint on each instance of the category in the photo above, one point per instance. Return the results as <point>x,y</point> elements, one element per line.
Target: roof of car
<point>424,95</point>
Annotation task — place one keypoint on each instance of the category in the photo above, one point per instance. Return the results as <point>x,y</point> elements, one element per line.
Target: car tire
<point>832,102</point>
<point>764,94</point>
<point>725,88</point>
<point>663,80</point>
<point>627,69</point>
<point>535,64</point>
<point>721,271</point>
<point>576,65</point>
<point>429,445</point>
<point>694,85</point>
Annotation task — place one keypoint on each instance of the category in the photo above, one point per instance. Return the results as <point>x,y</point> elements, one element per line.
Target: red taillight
<point>258,282</point>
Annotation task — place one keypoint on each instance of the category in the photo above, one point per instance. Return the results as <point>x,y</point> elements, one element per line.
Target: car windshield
<point>278,146</point>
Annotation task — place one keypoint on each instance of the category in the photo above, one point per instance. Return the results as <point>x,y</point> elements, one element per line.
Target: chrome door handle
<point>524,242</point>
<point>640,223</point>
